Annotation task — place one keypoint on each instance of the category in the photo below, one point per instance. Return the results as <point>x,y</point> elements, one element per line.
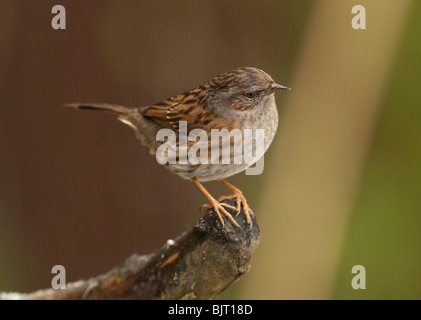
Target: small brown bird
<point>240,99</point>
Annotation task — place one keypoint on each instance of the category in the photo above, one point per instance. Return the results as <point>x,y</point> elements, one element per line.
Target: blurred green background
<point>341,180</point>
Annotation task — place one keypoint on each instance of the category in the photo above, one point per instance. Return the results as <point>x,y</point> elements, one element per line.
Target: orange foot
<point>241,200</point>
<point>217,206</point>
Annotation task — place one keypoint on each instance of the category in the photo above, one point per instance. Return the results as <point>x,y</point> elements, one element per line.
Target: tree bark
<point>199,264</point>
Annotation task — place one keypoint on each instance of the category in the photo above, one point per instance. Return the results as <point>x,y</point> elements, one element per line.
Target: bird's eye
<point>251,95</point>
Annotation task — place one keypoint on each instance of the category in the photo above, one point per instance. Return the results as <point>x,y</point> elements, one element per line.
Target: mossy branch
<point>199,264</point>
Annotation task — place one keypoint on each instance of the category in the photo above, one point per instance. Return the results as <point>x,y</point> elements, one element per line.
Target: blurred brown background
<point>341,181</point>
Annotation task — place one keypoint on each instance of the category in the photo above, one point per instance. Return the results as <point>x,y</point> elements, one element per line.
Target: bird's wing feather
<point>189,107</point>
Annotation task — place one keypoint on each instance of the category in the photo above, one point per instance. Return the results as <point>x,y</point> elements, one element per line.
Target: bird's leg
<point>241,200</point>
<point>218,207</point>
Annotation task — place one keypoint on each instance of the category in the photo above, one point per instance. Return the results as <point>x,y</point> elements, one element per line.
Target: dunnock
<point>240,99</point>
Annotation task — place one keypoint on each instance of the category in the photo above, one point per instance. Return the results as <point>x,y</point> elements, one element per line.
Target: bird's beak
<point>277,87</point>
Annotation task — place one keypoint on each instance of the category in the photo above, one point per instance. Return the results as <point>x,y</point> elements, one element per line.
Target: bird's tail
<point>116,109</point>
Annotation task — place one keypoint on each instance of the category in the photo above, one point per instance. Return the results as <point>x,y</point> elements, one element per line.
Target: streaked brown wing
<point>188,107</point>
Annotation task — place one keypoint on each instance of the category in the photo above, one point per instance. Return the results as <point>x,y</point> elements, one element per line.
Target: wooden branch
<point>199,264</point>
